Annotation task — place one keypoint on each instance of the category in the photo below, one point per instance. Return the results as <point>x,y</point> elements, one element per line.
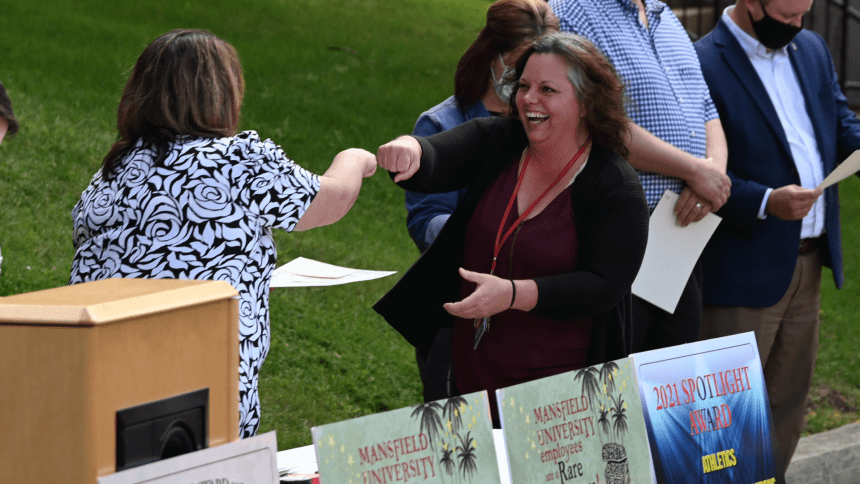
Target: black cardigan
<point>611,218</point>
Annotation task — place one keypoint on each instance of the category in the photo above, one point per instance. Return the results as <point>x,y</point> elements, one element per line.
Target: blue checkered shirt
<point>660,69</point>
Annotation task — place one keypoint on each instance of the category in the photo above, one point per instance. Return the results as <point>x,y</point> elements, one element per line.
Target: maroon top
<point>519,346</point>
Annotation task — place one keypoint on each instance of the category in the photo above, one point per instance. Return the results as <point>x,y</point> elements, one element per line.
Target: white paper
<point>301,460</point>
<point>303,272</point>
<point>671,254</point>
<point>850,166</point>
<point>312,268</point>
<point>249,461</point>
<point>502,456</point>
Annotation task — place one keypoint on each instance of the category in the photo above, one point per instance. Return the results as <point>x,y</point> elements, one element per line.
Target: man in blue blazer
<point>787,126</point>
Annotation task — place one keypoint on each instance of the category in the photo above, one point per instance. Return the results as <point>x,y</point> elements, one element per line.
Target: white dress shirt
<point>779,79</point>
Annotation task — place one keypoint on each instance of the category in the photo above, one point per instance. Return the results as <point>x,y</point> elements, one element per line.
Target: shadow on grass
<point>828,408</point>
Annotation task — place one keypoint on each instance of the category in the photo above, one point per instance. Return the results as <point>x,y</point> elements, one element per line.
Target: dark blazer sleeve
<point>612,228</point>
<point>847,124</point>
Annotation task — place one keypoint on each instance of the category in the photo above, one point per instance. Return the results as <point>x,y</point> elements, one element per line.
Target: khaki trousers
<point>787,336</point>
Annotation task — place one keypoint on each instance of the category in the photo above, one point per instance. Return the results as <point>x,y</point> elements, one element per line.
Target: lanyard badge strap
<point>483,325</point>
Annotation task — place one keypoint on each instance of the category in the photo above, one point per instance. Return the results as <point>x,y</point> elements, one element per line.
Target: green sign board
<point>581,427</point>
<point>446,441</point>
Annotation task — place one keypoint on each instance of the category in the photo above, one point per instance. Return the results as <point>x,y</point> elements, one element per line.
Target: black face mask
<point>772,33</point>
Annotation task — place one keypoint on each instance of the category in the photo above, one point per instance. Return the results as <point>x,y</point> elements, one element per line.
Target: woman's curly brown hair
<point>598,87</point>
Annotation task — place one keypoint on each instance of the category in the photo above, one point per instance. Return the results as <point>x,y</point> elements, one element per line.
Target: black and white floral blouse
<point>205,213</point>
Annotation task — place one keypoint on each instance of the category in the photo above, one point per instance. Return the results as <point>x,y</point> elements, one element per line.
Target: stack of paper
<point>303,272</point>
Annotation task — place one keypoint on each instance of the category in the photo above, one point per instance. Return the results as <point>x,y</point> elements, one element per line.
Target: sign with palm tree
<point>447,441</point>
<point>585,426</point>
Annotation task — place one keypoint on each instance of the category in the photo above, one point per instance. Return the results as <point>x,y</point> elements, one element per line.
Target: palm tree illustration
<point>447,462</point>
<point>429,415</point>
<point>604,424</point>
<point>468,459</point>
<point>453,411</point>
<point>603,421</point>
<point>619,417</point>
<point>590,383</point>
<point>606,375</point>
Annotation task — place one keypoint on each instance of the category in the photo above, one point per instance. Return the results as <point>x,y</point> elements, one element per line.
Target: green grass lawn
<point>322,76</point>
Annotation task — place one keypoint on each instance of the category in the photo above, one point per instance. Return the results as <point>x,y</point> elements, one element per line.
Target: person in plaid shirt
<point>677,139</point>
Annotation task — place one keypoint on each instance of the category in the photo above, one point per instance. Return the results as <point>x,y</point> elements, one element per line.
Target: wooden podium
<point>71,357</point>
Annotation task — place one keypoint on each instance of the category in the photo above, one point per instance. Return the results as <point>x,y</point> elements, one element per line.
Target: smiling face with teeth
<point>547,104</point>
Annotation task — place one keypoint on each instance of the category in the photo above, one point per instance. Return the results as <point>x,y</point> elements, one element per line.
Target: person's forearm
<point>706,178</point>
<point>716,149</point>
<point>346,167</point>
<point>339,188</point>
<point>526,295</point>
<point>345,172</point>
<point>650,153</point>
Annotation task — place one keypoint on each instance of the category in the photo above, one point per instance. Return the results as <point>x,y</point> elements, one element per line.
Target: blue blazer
<point>750,262</point>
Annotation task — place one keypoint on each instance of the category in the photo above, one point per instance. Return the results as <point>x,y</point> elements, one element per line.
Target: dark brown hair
<point>6,112</point>
<point>186,82</point>
<point>510,24</point>
<point>598,88</point>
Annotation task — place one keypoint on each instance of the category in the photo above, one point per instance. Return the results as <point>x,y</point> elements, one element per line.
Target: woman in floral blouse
<point>181,195</point>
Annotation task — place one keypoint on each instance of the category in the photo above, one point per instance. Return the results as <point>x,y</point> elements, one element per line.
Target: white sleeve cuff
<point>761,211</point>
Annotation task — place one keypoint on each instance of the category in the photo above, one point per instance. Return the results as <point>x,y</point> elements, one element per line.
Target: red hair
<point>510,24</point>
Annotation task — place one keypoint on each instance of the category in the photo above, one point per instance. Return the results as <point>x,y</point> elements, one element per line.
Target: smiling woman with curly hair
<point>549,236</point>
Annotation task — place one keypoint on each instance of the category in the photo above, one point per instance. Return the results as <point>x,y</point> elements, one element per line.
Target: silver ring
<point>698,205</point>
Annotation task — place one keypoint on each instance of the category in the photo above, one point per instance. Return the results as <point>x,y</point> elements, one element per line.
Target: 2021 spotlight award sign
<point>707,412</point>
<point>581,427</point>
<point>446,441</point>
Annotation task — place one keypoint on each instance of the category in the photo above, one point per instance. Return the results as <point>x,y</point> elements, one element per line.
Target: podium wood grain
<point>72,356</point>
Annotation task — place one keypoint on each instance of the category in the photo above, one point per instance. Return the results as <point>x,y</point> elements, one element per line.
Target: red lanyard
<point>501,240</point>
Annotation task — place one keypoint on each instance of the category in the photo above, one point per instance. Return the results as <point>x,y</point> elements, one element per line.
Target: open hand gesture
<point>492,296</point>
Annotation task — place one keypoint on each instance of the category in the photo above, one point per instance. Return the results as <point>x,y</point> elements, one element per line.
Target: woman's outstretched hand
<point>401,156</point>
<point>492,296</point>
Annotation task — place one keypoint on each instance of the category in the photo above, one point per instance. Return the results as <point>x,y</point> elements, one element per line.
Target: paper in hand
<point>850,166</point>
<point>671,254</point>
